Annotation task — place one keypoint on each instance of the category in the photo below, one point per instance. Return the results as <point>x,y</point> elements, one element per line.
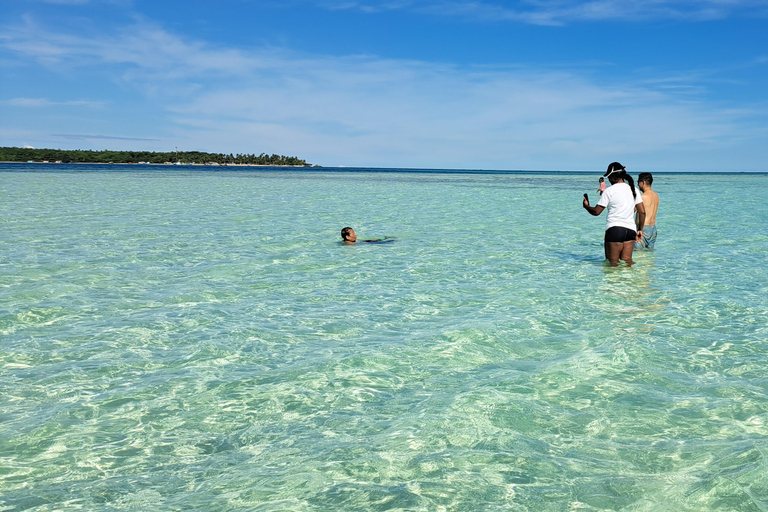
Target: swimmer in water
<point>350,237</point>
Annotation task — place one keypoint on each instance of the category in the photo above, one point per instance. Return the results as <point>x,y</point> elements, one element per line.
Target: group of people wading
<point>631,216</point>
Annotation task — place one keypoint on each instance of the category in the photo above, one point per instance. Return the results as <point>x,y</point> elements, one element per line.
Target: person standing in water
<point>622,201</point>
<point>651,204</point>
<point>601,188</point>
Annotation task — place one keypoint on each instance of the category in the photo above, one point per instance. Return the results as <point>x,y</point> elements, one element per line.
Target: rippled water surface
<point>182,339</point>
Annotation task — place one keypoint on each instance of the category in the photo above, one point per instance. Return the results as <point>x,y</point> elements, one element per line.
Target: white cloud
<point>143,46</point>
<point>64,2</point>
<point>80,136</point>
<point>85,2</point>
<point>364,110</point>
<point>557,12</point>
<point>44,103</point>
<point>414,113</point>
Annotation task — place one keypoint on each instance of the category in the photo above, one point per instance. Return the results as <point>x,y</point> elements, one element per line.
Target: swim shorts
<point>619,234</point>
<point>649,238</point>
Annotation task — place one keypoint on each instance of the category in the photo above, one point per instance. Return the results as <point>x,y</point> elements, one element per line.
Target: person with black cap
<point>622,229</point>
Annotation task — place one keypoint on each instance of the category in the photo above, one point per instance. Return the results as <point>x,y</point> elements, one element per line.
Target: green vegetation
<point>8,154</point>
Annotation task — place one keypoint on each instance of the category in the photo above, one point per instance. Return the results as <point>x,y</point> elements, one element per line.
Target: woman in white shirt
<point>622,201</point>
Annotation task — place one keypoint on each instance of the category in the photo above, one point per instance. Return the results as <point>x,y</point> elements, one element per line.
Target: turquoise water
<point>182,339</point>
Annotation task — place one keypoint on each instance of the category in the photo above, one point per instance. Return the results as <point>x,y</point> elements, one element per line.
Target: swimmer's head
<point>645,177</point>
<point>348,234</point>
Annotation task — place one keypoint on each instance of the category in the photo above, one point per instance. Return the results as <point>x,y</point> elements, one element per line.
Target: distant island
<point>77,156</point>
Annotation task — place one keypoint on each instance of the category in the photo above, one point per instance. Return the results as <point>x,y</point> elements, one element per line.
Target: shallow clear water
<point>181,339</point>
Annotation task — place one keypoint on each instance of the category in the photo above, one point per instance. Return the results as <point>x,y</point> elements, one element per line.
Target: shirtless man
<point>651,202</point>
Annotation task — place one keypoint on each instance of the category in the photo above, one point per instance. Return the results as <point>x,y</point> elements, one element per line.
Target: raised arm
<point>593,210</point>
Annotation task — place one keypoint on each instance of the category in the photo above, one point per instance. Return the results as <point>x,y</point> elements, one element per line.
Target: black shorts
<point>620,234</point>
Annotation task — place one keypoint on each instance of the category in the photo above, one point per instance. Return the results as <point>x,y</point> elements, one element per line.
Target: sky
<point>658,85</point>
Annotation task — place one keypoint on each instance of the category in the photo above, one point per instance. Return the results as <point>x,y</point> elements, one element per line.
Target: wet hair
<point>345,232</point>
<point>646,177</point>
<point>621,173</point>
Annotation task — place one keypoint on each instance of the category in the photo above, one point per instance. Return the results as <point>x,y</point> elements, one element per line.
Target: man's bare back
<point>651,202</point>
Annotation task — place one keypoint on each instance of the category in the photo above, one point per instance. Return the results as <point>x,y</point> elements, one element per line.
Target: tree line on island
<point>77,156</point>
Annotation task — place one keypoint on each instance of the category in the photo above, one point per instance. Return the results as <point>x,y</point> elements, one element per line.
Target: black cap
<point>613,167</point>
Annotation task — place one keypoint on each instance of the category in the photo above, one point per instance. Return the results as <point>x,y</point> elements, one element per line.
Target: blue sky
<point>482,84</point>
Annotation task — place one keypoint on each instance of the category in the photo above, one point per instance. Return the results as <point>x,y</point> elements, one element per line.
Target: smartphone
<point>586,197</point>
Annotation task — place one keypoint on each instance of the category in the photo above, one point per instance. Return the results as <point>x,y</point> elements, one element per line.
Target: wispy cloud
<point>417,115</point>
<point>558,12</point>
<point>84,2</point>
<point>64,2</point>
<point>79,136</point>
<point>143,46</point>
<point>45,102</point>
<point>365,110</point>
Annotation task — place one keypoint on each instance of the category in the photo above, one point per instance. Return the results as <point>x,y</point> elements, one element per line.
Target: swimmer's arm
<point>593,210</point>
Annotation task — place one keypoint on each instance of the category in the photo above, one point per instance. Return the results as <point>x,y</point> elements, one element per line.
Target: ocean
<point>195,338</point>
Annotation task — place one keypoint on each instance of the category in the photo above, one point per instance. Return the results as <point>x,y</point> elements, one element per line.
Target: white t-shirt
<point>621,206</point>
